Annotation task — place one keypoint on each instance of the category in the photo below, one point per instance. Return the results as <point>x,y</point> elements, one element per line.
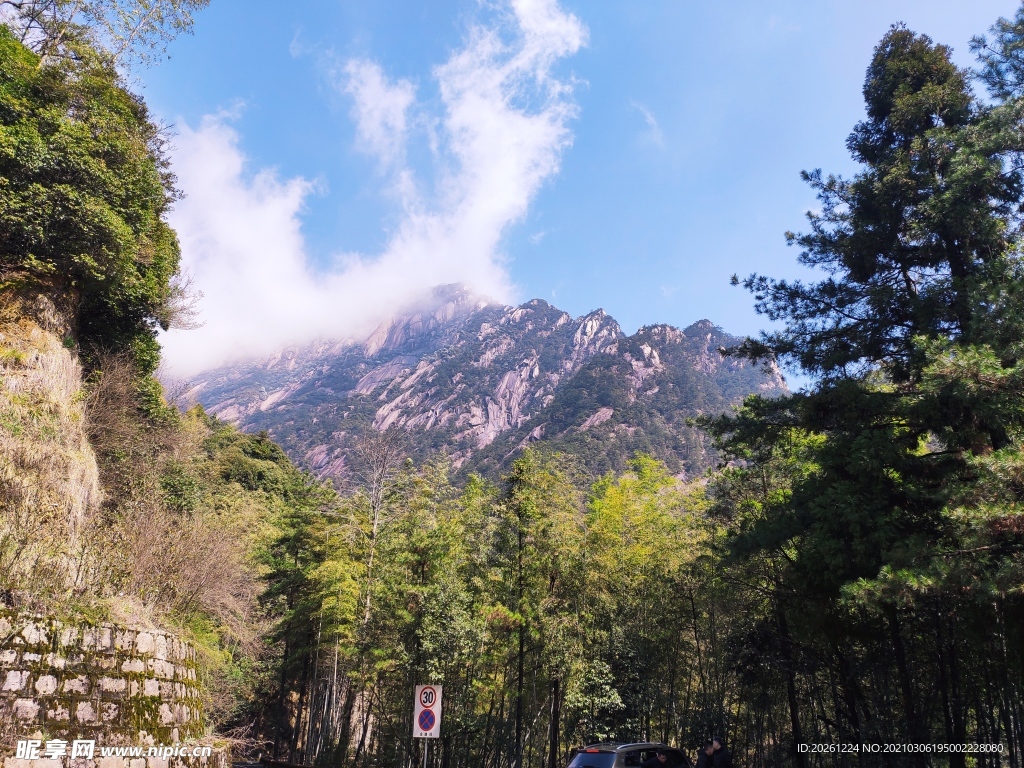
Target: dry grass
<point>178,560</point>
<point>126,553</point>
<point>49,482</point>
<point>171,565</point>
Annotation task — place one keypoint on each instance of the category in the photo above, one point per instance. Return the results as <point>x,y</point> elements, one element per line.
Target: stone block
<point>133,666</point>
<point>60,713</point>
<point>150,687</point>
<point>26,710</point>
<point>85,713</point>
<point>110,761</point>
<point>56,661</point>
<point>79,684</point>
<point>105,639</point>
<point>15,680</point>
<point>109,711</point>
<point>5,626</point>
<point>161,647</point>
<point>159,762</point>
<point>89,638</point>
<point>46,684</point>
<point>69,636</point>
<point>137,762</point>
<point>144,642</point>
<point>34,634</point>
<point>166,690</point>
<point>113,684</point>
<point>133,688</point>
<point>124,640</point>
<point>166,715</point>
<point>30,657</point>
<point>8,657</point>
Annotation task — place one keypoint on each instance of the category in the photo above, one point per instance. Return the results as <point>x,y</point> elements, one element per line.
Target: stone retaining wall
<point>116,685</point>
<point>221,758</point>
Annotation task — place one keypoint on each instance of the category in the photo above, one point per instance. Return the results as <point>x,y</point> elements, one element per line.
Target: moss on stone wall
<point>117,685</point>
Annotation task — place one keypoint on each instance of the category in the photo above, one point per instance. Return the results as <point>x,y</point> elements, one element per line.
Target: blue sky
<point>665,141</point>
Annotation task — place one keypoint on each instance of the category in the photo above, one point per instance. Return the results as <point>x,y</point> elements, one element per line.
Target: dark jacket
<point>722,758</point>
<point>703,760</point>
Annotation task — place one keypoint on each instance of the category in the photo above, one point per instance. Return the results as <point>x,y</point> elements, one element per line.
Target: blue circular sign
<point>426,720</point>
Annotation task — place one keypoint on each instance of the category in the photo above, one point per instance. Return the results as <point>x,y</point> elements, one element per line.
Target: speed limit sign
<point>426,718</point>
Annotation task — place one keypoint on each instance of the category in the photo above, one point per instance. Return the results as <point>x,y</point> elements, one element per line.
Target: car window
<point>593,760</point>
<point>640,756</point>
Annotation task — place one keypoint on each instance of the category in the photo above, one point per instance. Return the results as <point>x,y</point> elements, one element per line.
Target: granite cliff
<point>480,381</point>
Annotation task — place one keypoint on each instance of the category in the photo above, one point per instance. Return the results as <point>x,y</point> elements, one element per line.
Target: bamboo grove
<point>851,574</point>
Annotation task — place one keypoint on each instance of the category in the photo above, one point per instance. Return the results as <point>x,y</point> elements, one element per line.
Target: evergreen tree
<point>912,341</point>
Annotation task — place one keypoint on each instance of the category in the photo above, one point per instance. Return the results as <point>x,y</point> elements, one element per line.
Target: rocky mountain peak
<point>481,380</point>
<point>415,327</point>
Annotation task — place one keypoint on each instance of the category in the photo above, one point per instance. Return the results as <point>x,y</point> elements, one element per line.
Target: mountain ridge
<point>480,381</point>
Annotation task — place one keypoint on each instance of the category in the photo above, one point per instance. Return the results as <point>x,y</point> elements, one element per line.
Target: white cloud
<point>296,48</point>
<point>653,129</point>
<point>500,135</point>
<point>379,110</point>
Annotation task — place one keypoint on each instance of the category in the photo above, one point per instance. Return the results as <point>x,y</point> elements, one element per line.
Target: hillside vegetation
<point>115,505</point>
<point>851,575</point>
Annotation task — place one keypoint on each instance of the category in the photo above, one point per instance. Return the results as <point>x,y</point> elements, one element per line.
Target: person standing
<point>704,754</point>
<point>721,757</point>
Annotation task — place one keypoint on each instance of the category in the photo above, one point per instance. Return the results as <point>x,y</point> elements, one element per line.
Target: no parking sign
<point>426,716</point>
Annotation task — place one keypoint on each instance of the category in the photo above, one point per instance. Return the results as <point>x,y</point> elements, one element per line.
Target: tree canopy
<point>890,490</point>
<point>84,189</point>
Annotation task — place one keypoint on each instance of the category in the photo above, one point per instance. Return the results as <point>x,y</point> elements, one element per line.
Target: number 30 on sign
<point>426,716</point>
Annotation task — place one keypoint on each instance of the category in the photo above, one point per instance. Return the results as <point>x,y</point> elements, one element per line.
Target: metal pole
<point>426,749</point>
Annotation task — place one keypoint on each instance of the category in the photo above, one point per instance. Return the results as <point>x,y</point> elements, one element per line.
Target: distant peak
<point>702,327</point>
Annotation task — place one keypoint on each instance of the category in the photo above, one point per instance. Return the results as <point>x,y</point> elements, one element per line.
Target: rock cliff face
<point>49,482</point>
<point>481,381</point>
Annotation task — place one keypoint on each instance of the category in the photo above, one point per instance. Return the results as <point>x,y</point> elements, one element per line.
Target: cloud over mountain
<point>499,133</point>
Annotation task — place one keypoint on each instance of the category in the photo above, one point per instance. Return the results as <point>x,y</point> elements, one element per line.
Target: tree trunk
<point>799,757</point>
<point>553,724</point>
<point>906,686</point>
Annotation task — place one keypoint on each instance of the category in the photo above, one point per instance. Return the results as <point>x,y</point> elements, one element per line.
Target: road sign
<point>426,718</point>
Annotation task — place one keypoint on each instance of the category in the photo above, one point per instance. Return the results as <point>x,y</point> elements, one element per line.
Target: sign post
<point>426,717</point>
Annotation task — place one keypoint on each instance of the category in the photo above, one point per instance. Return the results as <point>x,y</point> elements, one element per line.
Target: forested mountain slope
<point>481,381</point>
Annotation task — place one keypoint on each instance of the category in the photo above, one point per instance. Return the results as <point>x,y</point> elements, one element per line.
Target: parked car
<point>614,755</point>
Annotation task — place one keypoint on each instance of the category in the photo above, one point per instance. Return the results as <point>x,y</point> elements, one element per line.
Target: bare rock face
<point>481,381</point>
<point>49,482</point>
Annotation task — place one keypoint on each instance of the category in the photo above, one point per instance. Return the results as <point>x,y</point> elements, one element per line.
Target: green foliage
<point>550,621</point>
<point>875,509</point>
<point>84,187</point>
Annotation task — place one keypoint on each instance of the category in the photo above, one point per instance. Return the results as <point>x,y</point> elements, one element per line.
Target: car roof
<point>618,746</point>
